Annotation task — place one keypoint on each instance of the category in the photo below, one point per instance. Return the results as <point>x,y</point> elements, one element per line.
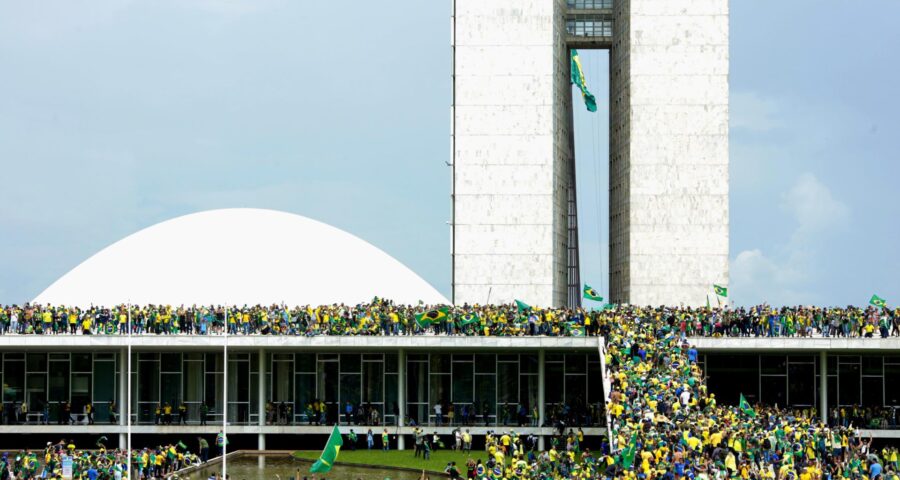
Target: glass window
<point>773,390</point>
<point>801,387</point>
<point>305,362</point>
<point>350,362</point>
<point>507,383</point>
<point>214,362</point>
<point>892,386</point>
<point>104,382</point>
<point>872,391</point>
<point>390,362</point>
<point>81,390</point>
<point>416,382</point>
<point>37,362</point>
<point>485,363</point>
<point>871,365</point>
<point>575,363</point>
<point>328,382</point>
<point>729,376</point>
<point>440,390</point>
<point>81,362</point>
<point>554,387</point>
<point>528,391</point>
<point>463,382</point>
<point>485,394</point>
<point>282,381</point>
<point>595,383</point>
<point>440,363</point>
<point>576,390</point>
<point>528,363</point>
<point>170,362</point>
<point>59,381</point>
<point>305,391</point>
<point>391,384</point>
<point>773,364</point>
<point>36,396</point>
<point>373,382</point>
<point>193,381</point>
<point>350,389</point>
<point>148,382</point>
<point>848,383</point>
<point>239,376</point>
<point>171,389</point>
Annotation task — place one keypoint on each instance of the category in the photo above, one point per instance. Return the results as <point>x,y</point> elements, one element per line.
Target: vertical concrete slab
<point>669,151</point>
<point>511,151</point>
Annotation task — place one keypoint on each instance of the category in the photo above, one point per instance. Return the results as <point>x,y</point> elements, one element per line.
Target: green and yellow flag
<point>424,320</point>
<point>591,294</point>
<point>877,301</point>
<point>329,454</point>
<point>468,319</point>
<point>627,456</point>
<point>522,306</point>
<point>720,290</point>
<point>746,408</point>
<point>578,79</point>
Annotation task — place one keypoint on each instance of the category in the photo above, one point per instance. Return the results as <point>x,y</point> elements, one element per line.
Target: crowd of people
<point>96,462</point>
<point>383,317</point>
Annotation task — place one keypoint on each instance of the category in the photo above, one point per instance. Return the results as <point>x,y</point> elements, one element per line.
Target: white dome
<point>239,256</point>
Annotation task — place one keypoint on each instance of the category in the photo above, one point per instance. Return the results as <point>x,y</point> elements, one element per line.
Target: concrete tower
<point>514,219</point>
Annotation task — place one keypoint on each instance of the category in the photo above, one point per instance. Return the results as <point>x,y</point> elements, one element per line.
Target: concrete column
<point>541,400</point>
<point>401,397</point>
<point>261,407</point>
<point>123,394</point>
<point>261,445</point>
<point>823,385</point>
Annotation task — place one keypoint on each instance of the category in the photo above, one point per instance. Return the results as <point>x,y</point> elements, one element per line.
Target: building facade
<point>401,379</point>
<point>514,220</point>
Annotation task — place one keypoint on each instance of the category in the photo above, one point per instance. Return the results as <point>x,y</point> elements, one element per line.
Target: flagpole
<point>225,401</point>
<point>128,403</point>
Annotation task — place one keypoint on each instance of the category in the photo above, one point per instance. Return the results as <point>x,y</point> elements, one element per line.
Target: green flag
<point>468,319</point>
<point>329,454</point>
<point>522,306</point>
<point>627,456</point>
<point>720,290</point>
<point>746,408</point>
<point>591,294</point>
<point>578,79</point>
<point>424,320</point>
<point>877,301</point>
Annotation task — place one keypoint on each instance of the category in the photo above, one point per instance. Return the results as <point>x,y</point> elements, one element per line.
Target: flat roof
<point>285,342</point>
<point>793,344</point>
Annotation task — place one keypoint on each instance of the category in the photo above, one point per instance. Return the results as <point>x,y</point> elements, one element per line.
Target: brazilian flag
<point>329,454</point>
<point>720,290</point>
<point>468,319</point>
<point>746,408</point>
<point>576,330</point>
<point>627,455</point>
<point>877,301</point>
<point>577,77</point>
<point>425,320</point>
<point>591,294</point>
<point>522,306</point>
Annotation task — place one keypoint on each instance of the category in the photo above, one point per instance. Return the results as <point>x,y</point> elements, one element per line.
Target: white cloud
<point>750,111</point>
<point>813,206</point>
<point>783,276</point>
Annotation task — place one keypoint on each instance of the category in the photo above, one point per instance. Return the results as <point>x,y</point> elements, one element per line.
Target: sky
<point>118,114</point>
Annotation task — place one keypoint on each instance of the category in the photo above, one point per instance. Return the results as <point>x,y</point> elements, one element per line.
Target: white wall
<point>508,132</point>
<point>669,214</point>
